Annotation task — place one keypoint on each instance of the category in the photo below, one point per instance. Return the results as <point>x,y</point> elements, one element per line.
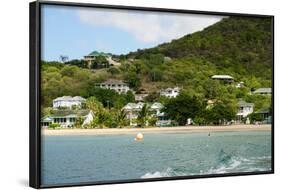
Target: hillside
<point>240,47</point>
<point>238,44</point>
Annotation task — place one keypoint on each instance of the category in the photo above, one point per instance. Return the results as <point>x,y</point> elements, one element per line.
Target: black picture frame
<point>34,105</point>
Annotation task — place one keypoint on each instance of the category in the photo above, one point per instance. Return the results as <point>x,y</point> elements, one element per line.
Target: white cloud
<point>148,27</point>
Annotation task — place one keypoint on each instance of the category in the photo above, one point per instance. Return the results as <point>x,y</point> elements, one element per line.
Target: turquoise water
<point>74,159</point>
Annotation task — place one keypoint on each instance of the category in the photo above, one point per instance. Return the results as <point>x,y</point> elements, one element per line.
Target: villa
<point>93,56</point>
<point>170,92</point>
<point>67,118</point>
<point>132,109</point>
<point>263,91</point>
<point>244,109</point>
<point>225,78</point>
<point>68,102</point>
<point>118,86</point>
<point>163,119</point>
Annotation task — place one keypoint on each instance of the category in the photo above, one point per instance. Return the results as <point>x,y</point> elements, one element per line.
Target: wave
<point>167,173</point>
<point>226,163</point>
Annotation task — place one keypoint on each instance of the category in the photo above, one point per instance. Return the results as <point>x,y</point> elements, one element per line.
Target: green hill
<point>236,46</point>
<point>240,45</point>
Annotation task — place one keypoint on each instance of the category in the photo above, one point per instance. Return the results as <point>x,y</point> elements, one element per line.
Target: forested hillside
<point>240,47</point>
<point>236,44</point>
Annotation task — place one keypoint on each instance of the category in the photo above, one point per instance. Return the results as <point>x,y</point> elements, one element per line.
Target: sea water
<point>75,159</point>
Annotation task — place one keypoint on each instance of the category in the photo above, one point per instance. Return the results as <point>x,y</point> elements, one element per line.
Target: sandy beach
<point>183,129</point>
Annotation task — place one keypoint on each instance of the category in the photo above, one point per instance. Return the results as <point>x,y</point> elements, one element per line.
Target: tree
<point>133,79</point>
<point>94,105</point>
<point>113,70</point>
<point>77,62</point>
<point>78,122</point>
<point>152,97</point>
<point>255,117</point>
<point>69,71</point>
<point>183,107</point>
<point>143,116</point>
<point>155,75</point>
<point>107,97</point>
<point>220,113</point>
<point>100,62</point>
<point>122,119</point>
<point>130,97</point>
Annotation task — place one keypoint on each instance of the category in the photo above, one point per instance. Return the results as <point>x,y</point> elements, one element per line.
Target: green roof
<point>96,53</point>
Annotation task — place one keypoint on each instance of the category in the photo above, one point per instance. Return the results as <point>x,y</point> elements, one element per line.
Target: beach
<point>182,129</point>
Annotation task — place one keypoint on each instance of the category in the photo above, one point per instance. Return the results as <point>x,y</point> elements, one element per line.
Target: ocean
<point>76,159</point>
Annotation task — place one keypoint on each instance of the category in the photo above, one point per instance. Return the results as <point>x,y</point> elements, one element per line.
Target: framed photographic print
<point>130,94</point>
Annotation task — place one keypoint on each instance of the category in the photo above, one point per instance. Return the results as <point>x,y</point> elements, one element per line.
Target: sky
<point>76,31</point>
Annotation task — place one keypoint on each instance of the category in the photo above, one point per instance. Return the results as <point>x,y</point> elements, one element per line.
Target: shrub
<point>54,125</point>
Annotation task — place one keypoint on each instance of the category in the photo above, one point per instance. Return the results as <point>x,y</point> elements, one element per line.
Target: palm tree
<point>143,115</point>
<point>121,118</point>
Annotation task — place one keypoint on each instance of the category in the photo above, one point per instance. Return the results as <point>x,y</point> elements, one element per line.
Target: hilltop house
<point>68,102</point>
<point>170,92</point>
<point>93,56</point>
<point>225,78</point>
<point>67,118</point>
<point>244,109</point>
<point>118,86</point>
<point>132,109</point>
<point>263,91</point>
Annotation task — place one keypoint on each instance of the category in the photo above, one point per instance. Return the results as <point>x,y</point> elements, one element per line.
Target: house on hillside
<point>263,91</point>
<point>93,56</point>
<point>140,97</point>
<point>240,84</point>
<point>244,109</point>
<point>132,110</point>
<point>265,115</point>
<point>163,119</point>
<point>170,92</point>
<point>67,118</point>
<point>225,78</point>
<point>117,85</point>
<point>68,102</point>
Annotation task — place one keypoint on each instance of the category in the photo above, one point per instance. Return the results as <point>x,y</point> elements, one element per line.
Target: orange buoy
<point>139,137</point>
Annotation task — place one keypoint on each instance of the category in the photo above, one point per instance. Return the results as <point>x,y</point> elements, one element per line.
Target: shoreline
<point>155,130</point>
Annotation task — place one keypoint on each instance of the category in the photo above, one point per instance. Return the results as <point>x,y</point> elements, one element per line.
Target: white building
<point>240,84</point>
<point>68,102</point>
<point>140,97</point>
<point>132,109</point>
<point>225,78</point>
<point>67,118</point>
<point>93,55</point>
<point>244,109</point>
<point>118,86</point>
<point>263,91</point>
<point>170,92</point>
